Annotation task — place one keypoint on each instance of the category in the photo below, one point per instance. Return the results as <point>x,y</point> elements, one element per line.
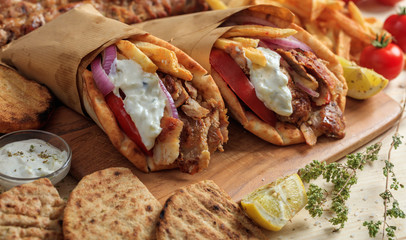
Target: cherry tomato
<point>389,2</point>
<point>232,74</point>
<point>383,57</point>
<point>124,120</point>
<point>395,24</point>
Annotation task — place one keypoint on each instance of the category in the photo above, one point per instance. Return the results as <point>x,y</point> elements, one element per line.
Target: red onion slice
<point>170,103</point>
<point>100,77</point>
<point>109,56</point>
<point>285,43</point>
<point>307,90</point>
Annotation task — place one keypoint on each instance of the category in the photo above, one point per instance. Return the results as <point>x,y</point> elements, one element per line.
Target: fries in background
<point>341,28</point>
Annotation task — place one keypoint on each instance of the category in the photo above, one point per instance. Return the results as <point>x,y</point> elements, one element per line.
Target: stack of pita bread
<point>114,204</point>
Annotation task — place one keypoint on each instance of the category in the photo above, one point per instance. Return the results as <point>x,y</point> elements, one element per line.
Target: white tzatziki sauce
<point>144,101</point>
<point>271,84</point>
<point>30,158</point>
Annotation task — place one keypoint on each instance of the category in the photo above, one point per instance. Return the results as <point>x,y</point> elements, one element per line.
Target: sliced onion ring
<point>307,90</point>
<point>100,77</point>
<point>170,104</point>
<point>285,43</point>
<point>109,55</point>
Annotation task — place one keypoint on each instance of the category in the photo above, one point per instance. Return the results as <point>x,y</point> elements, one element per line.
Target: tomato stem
<point>381,41</point>
<point>402,11</point>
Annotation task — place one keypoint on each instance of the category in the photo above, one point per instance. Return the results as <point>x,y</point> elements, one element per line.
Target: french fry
<point>246,42</point>
<point>343,45</point>
<point>216,4</point>
<point>313,29</point>
<point>348,25</point>
<point>356,15</point>
<point>258,31</point>
<point>165,59</point>
<point>130,51</point>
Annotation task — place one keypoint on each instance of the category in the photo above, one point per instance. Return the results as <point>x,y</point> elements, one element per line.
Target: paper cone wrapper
<point>196,33</point>
<point>57,53</point>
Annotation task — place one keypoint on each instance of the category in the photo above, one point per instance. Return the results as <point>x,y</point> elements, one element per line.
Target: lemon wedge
<point>273,205</point>
<point>362,82</point>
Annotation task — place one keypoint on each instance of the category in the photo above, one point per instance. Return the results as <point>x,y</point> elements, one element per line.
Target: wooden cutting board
<point>247,162</point>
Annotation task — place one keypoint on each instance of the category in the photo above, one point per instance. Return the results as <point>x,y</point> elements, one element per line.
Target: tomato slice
<point>124,120</point>
<point>233,75</point>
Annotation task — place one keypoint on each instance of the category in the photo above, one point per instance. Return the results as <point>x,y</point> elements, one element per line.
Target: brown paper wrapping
<point>196,33</point>
<point>57,53</point>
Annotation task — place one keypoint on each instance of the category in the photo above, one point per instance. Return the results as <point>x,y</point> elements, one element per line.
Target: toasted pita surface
<point>31,211</point>
<point>204,211</point>
<point>111,204</point>
<point>24,104</point>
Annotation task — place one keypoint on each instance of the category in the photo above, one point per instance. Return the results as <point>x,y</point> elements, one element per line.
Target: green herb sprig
<point>387,196</point>
<point>343,176</point>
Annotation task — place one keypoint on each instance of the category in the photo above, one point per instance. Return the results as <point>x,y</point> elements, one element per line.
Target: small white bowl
<point>9,181</point>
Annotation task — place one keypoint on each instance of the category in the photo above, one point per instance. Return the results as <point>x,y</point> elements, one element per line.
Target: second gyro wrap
<point>277,80</point>
<point>157,105</point>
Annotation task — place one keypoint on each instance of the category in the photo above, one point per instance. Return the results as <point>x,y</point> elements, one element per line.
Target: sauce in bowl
<point>30,158</point>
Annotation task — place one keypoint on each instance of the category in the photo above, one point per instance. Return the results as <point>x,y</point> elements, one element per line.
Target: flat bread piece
<point>24,104</point>
<point>31,211</point>
<point>204,211</point>
<point>111,204</point>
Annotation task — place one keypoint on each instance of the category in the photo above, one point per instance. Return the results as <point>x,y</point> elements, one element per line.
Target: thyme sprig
<point>343,176</point>
<point>387,196</point>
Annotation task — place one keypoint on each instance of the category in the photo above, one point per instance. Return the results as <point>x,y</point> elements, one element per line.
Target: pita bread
<point>284,133</point>
<point>204,211</point>
<point>111,204</point>
<point>24,104</point>
<point>206,88</point>
<point>31,211</point>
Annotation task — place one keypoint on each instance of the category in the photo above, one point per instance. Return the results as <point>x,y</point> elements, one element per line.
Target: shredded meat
<point>193,109</point>
<point>19,17</point>
<point>301,106</point>
<point>194,148</point>
<point>306,63</point>
<point>175,88</point>
<point>204,125</point>
<point>324,117</point>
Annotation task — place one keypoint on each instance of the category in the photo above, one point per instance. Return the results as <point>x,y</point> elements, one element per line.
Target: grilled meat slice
<point>300,103</point>
<point>329,120</point>
<point>193,109</point>
<point>306,63</point>
<point>175,88</point>
<point>194,149</point>
<point>166,149</point>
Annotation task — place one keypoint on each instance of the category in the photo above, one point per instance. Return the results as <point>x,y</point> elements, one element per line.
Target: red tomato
<point>395,24</point>
<point>124,120</point>
<point>385,59</point>
<point>232,74</point>
<point>389,2</point>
